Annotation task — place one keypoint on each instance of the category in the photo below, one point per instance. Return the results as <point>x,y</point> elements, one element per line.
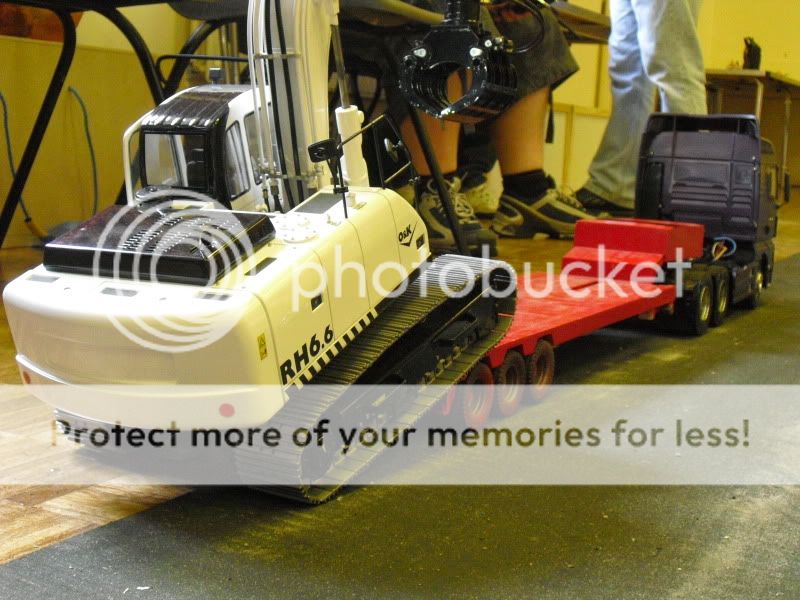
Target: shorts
<point>548,64</point>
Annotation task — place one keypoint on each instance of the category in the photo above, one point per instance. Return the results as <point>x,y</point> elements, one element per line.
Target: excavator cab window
<point>235,163</point>
<point>175,160</point>
<point>252,144</point>
<point>135,165</point>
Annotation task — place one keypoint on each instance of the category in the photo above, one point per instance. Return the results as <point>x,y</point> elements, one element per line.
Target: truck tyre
<point>754,300</point>
<point>700,307</point>
<point>477,396</point>
<point>541,367</point>
<point>721,300</point>
<point>512,376</point>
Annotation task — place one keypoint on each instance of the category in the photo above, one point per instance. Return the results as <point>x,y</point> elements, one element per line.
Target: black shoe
<point>552,212</point>
<point>597,205</point>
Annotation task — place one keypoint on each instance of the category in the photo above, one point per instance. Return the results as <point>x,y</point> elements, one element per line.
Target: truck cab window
<point>235,163</point>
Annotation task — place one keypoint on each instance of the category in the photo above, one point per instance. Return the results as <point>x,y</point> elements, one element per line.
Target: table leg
<point>787,122</point>
<point>759,99</point>
<point>42,120</point>
<point>140,48</point>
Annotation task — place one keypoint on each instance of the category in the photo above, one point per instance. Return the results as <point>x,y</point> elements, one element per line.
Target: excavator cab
<point>195,146</point>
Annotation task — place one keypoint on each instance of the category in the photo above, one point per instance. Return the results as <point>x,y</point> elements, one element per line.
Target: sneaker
<point>597,205</point>
<point>482,187</point>
<point>439,234</point>
<point>553,212</point>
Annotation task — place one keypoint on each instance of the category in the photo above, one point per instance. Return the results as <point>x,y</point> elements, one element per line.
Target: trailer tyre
<point>701,306</point>
<point>541,368</point>
<point>477,396</point>
<point>721,301</point>
<point>511,375</point>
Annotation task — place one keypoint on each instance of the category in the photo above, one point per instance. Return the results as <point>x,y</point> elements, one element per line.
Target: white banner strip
<point>575,435</point>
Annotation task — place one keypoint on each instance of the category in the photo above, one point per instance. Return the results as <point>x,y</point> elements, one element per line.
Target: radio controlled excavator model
<point>192,281</point>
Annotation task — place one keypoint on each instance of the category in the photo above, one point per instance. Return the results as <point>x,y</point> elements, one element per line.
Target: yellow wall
<point>163,30</point>
<point>772,23</point>
<point>582,89</point>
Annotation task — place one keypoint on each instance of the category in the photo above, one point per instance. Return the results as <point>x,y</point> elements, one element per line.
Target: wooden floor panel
<point>29,528</point>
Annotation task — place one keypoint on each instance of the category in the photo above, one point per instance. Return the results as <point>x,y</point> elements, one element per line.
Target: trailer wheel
<point>446,403</point>
<point>511,375</point>
<point>541,368</point>
<point>477,396</point>
<point>721,301</point>
<point>754,300</point>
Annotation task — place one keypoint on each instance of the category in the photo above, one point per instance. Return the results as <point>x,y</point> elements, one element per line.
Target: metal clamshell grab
<point>459,45</point>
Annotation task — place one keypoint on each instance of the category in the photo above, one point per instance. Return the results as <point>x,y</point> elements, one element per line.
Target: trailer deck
<point>561,315</point>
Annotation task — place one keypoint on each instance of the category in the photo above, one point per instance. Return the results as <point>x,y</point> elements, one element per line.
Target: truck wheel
<point>541,367</point>
<point>754,300</point>
<point>721,301</point>
<point>477,396</point>
<point>701,307</point>
<point>510,375</point>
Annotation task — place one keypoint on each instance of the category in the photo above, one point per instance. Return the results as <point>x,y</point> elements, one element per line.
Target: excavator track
<point>364,361</point>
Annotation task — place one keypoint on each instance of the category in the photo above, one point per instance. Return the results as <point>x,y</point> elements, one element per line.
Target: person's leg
<point>531,202</point>
<point>612,173</point>
<point>443,136</point>
<point>519,133</point>
<point>671,53</point>
<point>516,142</point>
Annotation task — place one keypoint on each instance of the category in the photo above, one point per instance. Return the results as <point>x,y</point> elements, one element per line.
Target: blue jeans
<point>653,46</point>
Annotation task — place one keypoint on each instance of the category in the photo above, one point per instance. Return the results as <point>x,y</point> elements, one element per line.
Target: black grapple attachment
<point>460,46</point>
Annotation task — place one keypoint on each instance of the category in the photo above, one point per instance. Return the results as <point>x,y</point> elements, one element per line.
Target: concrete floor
<point>436,542</point>
<point>491,542</point>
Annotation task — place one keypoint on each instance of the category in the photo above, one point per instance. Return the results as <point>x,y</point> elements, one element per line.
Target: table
<point>755,86</point>
<point>581,25</point>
